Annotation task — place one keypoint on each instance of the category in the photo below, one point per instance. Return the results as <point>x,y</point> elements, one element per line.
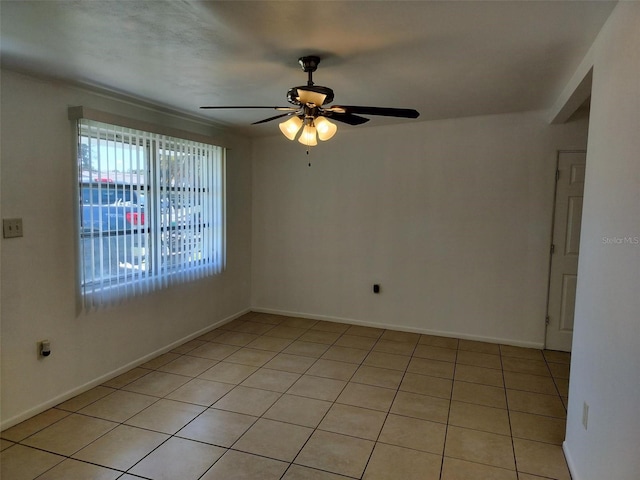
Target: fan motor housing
<point>292,94</point>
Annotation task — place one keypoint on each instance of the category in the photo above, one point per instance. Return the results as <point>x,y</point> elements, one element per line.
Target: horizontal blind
<point>152,211</point>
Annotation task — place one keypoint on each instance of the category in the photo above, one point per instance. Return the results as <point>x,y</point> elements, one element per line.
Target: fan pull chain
<point>308,148</point>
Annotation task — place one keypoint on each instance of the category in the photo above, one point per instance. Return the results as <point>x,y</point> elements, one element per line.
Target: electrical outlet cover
<point>11,227</point>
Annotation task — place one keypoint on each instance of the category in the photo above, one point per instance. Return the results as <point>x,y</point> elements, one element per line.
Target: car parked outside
<point>113,229</point>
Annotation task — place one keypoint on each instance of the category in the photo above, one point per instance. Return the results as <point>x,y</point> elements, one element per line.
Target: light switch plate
<point>11,227</point>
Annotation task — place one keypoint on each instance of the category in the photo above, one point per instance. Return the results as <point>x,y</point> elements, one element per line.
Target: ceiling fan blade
<point>383,111</point>
<point>347,118</point>
<point>284,109</point>
<point>274,118</point>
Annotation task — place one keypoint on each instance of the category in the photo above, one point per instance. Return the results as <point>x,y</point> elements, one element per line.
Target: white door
<point>565,248</point>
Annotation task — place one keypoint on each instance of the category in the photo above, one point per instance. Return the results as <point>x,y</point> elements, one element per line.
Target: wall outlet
<point>11,227</point>
<point>44,348</point>
<point>585,415</point>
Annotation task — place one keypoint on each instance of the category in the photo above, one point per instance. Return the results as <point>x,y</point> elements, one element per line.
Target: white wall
<point>452,218</point>
<point>38,295</point>
<point>605,368</point>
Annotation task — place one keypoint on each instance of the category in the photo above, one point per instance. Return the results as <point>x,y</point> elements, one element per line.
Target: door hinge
<point>547,320</point>
<point>557,175</point>
<point>553,249</point>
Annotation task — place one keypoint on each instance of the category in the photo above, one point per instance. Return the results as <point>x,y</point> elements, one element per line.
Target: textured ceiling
<point>444,58</point>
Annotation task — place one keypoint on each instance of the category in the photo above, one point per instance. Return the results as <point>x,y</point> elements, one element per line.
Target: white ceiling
<point>444,58</point>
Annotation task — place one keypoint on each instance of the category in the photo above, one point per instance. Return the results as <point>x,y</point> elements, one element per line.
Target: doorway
<point>565,249</point>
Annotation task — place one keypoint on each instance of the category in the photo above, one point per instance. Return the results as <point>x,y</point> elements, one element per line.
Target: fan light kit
<point>310,119</point>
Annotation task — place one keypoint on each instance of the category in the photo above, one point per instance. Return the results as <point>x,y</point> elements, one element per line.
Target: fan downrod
<point>309,65</point>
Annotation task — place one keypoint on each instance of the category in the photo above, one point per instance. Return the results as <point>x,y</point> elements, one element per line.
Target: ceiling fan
<point>310,112</point>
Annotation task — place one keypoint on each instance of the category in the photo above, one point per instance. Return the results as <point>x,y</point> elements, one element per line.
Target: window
<point>152,211</point>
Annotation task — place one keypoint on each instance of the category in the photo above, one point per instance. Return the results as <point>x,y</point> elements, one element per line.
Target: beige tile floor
<point>272,397</point>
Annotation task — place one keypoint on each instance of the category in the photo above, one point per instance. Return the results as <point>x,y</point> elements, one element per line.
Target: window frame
<point>212,194</point>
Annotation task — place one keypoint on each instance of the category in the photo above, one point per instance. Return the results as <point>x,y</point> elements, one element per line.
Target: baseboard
<point>403,328</point>
<point>10,422</point>
<point>572,470</point>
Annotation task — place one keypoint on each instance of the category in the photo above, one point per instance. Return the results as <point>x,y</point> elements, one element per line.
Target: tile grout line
<point>334,402</point>
<point>388,412</point>
<point>506,398</point>
<point>207,408</point>
<point>316,359</point>
<point>262,415</point>
<point>446,429</point>
<point>555,384</point>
